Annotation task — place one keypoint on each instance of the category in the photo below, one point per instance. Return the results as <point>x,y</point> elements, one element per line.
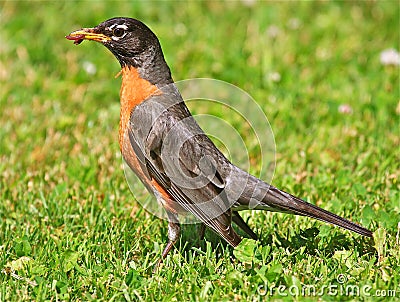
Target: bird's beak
<point>87,34</point>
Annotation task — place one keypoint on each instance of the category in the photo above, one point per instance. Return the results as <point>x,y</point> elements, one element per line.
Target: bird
<point>175,160</point>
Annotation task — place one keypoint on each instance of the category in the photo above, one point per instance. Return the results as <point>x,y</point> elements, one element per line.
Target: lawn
<point>70,228</point>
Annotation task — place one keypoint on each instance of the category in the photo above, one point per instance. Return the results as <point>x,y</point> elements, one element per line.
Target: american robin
<point>166,148</point>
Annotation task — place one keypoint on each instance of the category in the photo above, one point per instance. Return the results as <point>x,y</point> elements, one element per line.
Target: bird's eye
<point>118,32</point>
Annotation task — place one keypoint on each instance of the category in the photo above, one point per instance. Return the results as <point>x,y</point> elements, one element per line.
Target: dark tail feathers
<point>273,199</point>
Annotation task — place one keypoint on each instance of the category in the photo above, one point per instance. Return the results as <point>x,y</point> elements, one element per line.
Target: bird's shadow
<point>307,239</point>
<point>316,245</point>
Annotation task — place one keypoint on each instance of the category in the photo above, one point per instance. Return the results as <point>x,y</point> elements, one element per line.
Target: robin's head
<point>131,42</point>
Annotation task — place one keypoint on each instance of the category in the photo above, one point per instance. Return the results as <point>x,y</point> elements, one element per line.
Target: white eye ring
<point>119,32</point>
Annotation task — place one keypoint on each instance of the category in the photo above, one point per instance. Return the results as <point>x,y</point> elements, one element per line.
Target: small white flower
<point>390,57</point>
<point>273,31</point>
<point>345,109</point>
<point>89,67</point>
<point>249,3</point>
<point>274,76</point>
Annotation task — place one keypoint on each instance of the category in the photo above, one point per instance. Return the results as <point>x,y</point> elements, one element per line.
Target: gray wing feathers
<point>181,158</point>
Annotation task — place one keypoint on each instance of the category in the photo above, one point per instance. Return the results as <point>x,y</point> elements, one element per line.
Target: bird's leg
<point>174,230</point>
<point>236,218</point>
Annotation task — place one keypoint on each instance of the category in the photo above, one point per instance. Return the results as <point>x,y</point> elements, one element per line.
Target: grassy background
<point>65,206</point>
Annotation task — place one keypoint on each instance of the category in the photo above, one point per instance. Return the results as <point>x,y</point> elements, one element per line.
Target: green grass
<point>64,201</point>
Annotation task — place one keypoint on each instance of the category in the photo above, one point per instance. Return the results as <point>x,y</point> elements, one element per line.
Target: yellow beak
<point>87,34</point>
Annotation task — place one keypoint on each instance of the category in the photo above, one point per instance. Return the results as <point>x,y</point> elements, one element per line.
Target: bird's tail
<point>270,198</point>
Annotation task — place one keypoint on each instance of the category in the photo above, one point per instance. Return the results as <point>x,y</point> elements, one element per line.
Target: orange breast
<point>134,90</point>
